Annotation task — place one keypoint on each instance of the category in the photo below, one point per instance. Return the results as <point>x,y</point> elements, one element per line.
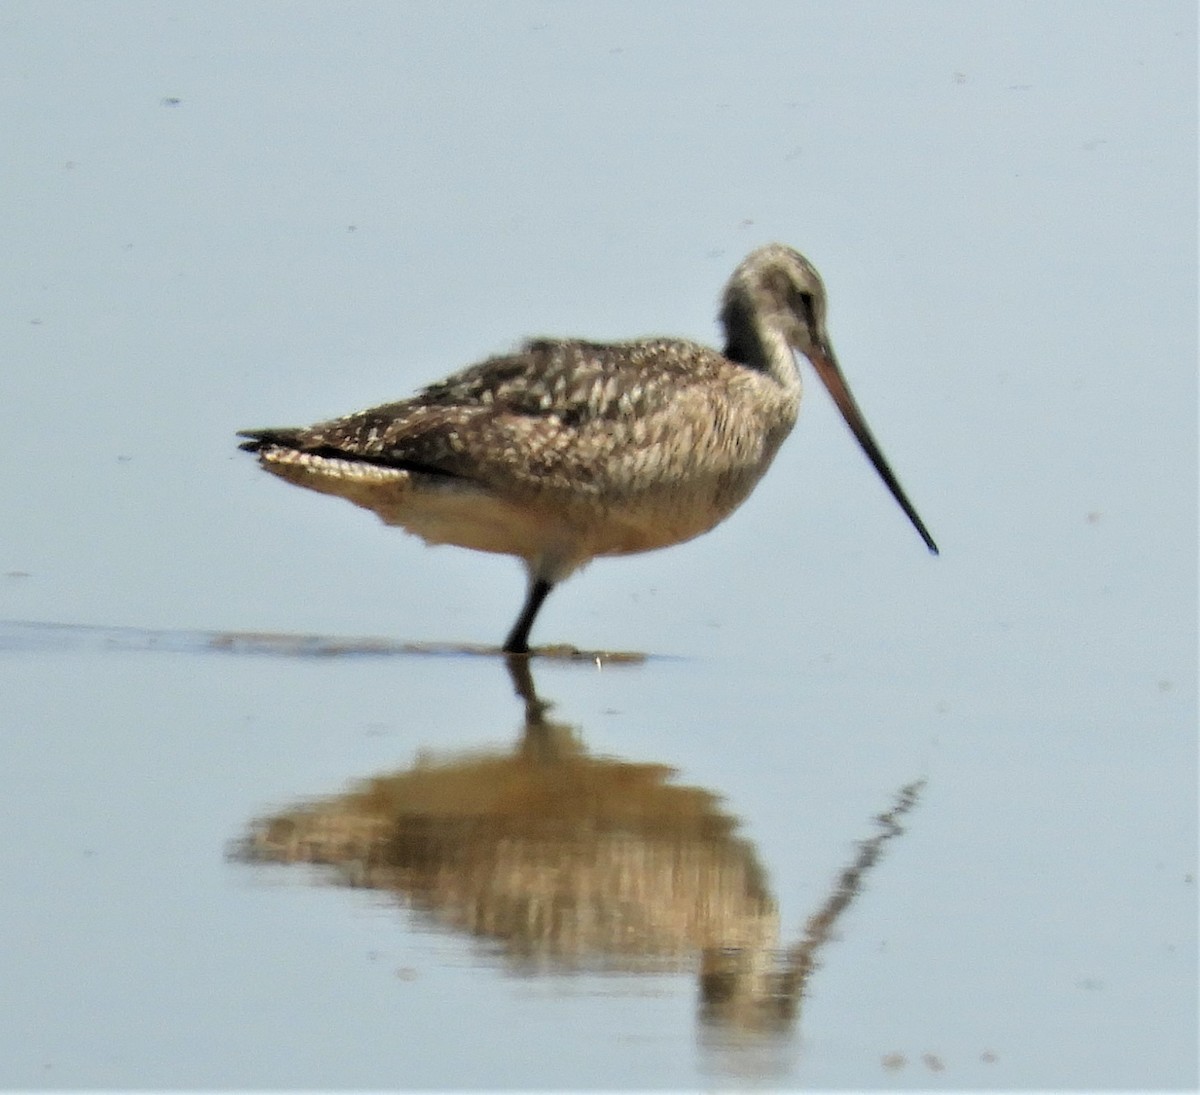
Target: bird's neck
<point>758,344</point>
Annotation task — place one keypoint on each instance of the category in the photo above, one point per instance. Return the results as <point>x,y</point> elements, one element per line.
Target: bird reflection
<point>564,861</point>
<point>751,990</point>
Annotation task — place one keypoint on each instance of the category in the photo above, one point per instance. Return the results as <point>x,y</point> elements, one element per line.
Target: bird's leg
<point>518,638</point>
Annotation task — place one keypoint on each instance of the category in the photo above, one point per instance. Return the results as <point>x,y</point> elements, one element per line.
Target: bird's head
<point>781,292</point>
<point>774,302</point>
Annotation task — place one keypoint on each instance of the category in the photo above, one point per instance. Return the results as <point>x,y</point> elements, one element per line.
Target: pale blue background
<point>349,200</point>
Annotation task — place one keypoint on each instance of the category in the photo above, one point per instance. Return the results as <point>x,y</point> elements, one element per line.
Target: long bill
<point>824,361</point>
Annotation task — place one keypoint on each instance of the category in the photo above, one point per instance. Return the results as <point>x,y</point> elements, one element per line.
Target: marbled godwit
<point>567,449</point>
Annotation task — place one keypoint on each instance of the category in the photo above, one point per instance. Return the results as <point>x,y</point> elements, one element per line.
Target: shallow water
<point>569,877</point>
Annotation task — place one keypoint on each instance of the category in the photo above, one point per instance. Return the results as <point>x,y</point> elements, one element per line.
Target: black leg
<point>518,638</point>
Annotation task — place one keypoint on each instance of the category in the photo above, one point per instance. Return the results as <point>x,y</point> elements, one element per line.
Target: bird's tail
<point>285,437</point>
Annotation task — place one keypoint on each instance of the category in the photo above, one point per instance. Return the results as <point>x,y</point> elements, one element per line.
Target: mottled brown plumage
<point>567,449</point>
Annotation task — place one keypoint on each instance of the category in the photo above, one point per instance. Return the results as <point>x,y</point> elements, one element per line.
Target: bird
<point>567,450</point>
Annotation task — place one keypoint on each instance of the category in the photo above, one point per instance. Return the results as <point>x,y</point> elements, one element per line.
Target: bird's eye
<point>804,307</point>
